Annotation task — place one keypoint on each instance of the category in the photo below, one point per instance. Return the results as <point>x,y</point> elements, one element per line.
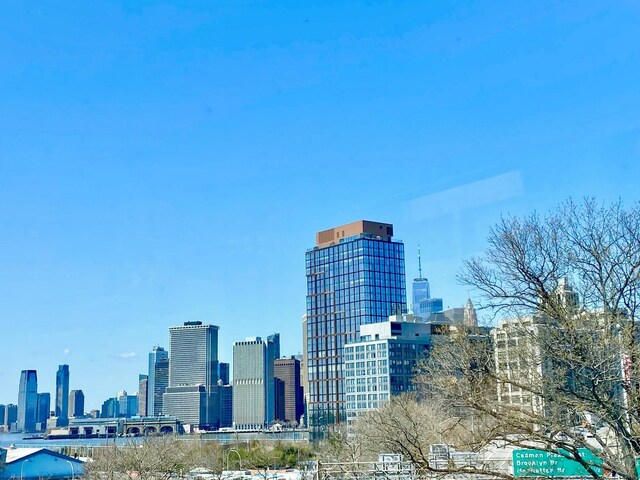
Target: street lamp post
<point>73,476</point>
<point>237,453</point>
<point>22,468</point>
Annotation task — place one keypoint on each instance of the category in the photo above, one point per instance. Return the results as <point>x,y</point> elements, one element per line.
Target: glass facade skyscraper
<point>76,403</point>
<point>43,411</point>
<point>355,276</point>
<point>27,401</point>
<point>422,303</point>
<point>420,292</point>
<point>62,395</point>
<point>158,379</point>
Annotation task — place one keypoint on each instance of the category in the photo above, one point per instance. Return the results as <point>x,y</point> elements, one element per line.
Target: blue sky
<point>165,161</point>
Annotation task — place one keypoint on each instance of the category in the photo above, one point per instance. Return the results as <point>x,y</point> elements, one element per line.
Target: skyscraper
<point>192,394</point>
<point>10,416</point>
<point>274,338</point>
<point>62,395</point>
<point>226,405</point>
<point>421,290</point>
<point>355,276</point>
<point>287,373</point>
<point>27,401</point>
<point>422,303</point>
<point>143,400</point>
<point>158,379</point>
<point>223,373</point>
<point>253,382</point>
<point>76,403</point>
<point>43,411</point>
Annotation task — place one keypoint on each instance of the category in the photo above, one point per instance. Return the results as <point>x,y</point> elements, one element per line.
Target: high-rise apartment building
<point>158,380</point>
<point>76,403</point>
<point>289,400</point>
<point>43,411</point>
<point>27,401</point>
<point>355,276</point>
<point>253,382</point>
<point>192,394</point>
<point>62,395</point>
<point>382,362</point>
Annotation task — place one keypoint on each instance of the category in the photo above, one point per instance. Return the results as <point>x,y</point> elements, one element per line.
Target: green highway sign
<point>537,463</point>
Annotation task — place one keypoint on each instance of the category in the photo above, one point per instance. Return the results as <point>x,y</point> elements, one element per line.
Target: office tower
<point>422,303</point>
<point>158,379</point>
<point>161,382</point>
<point>382,362</point>
<point>43,410</point>
<point>355,276</point>
<point>226,405</point>
<point>253,382</point>
<point>428,307</point>
<point>62,395</point>
<point>192,394</point>
<point>278,398</point>
<point>421,289</point>
<point>223,373</point>
<point>3,409</point>
<point>10,416</point>
<point>132,405</point>
<point>290,401</point>
<point>143,383</point>
<point>76,403</point>
<point>110,408</point>
<point>275,339</point>
<point>27,401</point>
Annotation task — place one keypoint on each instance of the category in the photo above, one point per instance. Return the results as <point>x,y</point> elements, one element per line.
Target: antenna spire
<point>419,263</point>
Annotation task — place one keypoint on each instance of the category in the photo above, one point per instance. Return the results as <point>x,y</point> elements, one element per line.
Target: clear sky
<point>165,161</point>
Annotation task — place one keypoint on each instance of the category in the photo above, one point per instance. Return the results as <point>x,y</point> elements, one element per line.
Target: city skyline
<point>163,162</point>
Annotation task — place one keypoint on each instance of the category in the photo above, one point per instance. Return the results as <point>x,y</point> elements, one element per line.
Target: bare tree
<point>563,376</point>
<point>209,456</point>
<point>154,458</point>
